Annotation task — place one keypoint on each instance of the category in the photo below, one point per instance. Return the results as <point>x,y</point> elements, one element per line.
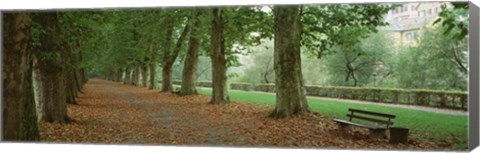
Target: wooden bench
<point>376,131</point>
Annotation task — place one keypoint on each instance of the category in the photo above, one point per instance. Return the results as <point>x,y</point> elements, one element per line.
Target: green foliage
<point>261,68</point>
<point>455,20</point>
<point>240,25</point>
<point>325,26</point>
<point>243,27</point>
<point>204,69</point>
<point>313,70</point>
<point>437,62</point>
<point>365,63</point>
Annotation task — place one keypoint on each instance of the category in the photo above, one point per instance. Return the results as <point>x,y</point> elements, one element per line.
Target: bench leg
<point>377,134</point>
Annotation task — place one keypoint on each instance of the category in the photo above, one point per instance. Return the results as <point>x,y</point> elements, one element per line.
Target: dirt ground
<point>114,113</point>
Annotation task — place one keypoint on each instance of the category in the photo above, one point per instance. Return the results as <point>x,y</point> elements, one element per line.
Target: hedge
<point>424,97</point>
<point>241,86</point>
<point>435,98</point>
<point>264,87</point>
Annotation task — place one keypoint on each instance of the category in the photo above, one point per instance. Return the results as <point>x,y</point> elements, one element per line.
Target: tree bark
<point>134,75</point>
<point>191,59</point>
<point>153,74</point>
<point>128,75</point>
<point>169,58</point>
<point>137,75</point>
<point>119,75</point>
<point>77,78</point>
<point>50,73</point>
<point>166,84</point>
<point>290,96</point>
<point>19,121</point>
<point>144,75</point>
<point>219,69</point>
<point>71,86</point>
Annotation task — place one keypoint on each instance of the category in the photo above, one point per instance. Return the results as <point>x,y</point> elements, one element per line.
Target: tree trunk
<point>71,87</point>
<point>69,72</point>
<point>166,79</point>
<point>50,73</point>
<point>290,96</point>
<point>76,76</point>
<point>153,74</point>
<point>219,69</point>
<point>153,67</point>
<point>50,89</point>
<point>137,75</point>
<point>79,77</point>
<point>145,75</point>
<point>133,78</point>
<point>83,73</point>
<point>128,75</point>
<point>78,82</point>
<point>191,59</point>
<point>19,121</point>
<point>169,27</point>
<point>169,59</point>
<point>119,75</point>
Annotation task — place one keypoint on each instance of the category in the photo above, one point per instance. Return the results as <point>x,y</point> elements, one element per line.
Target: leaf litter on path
<point>115,113</point>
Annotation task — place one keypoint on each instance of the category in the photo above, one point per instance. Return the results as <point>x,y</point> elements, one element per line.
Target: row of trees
<point>223,33</point>
<point>42,71</point>
<point>57,48</point>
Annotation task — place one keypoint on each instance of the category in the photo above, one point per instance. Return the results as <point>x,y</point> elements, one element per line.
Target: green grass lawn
<point>423,125</point>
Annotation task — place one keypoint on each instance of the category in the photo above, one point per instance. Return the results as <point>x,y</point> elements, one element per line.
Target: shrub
<point>264,87</point>
<point>241,86</point>
<point>426,97</point>
<point>204,84</point>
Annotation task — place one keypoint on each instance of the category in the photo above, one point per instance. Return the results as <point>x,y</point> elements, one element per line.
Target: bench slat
<point>361,125</point>
<point>370,119</point>
<point>372,113</point>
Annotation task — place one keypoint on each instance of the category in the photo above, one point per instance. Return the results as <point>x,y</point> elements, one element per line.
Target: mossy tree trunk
<point>19,122</point>
<point>290,96</point>
<point>219,69</point>
<point>50,71</point>
<point>191,59</point>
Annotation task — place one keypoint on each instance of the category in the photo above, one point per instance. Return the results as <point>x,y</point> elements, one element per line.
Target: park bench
<point>376,131</point>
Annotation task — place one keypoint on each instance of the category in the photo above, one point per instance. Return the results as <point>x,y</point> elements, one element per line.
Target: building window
<point>413,8</point>
<point>429,11</point>
<point>405,8</point>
